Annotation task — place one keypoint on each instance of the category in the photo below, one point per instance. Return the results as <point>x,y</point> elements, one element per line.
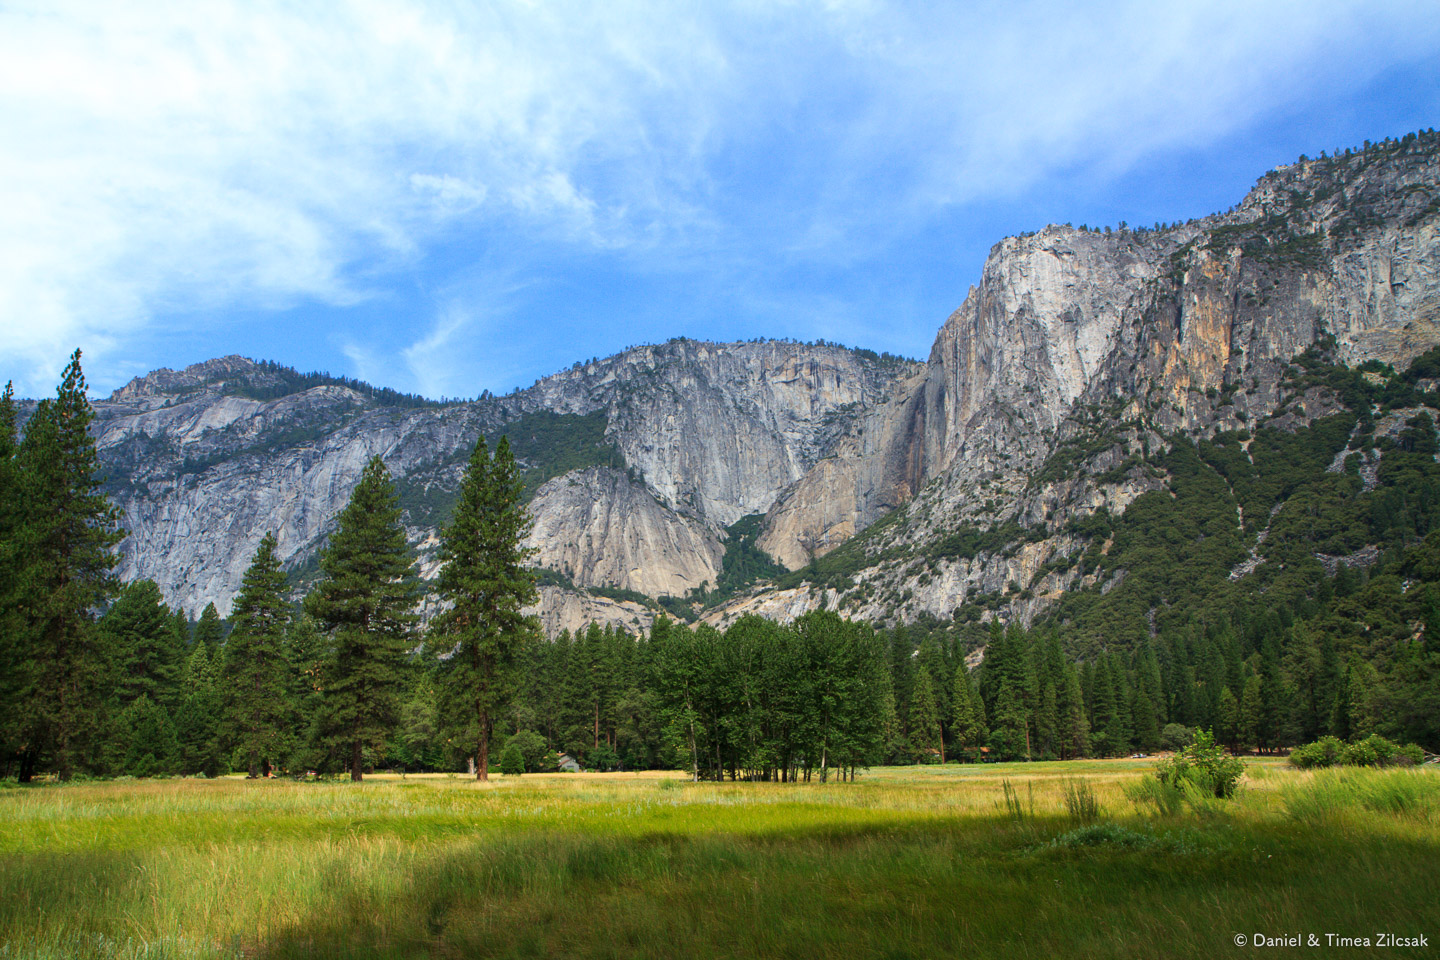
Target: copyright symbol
<point>1239,939</point>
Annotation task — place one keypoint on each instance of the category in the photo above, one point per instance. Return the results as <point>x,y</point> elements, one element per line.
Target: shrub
<point>512,761</point>
<point>1373,751</point>
<point>1324,752</point>
<point>1176,736</point>
<point>1204,766</point>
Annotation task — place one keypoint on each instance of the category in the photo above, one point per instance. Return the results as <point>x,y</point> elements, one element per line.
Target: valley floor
<point>958,861</point>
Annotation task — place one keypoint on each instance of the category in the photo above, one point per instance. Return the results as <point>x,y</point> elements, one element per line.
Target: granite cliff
<point>1076,355</point>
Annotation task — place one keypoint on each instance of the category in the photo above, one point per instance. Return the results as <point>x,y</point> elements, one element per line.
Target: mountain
<point>639,463</point>
<point>993,480</point>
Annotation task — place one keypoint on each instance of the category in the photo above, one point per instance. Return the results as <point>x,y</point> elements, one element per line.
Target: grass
<point>1024,860</point>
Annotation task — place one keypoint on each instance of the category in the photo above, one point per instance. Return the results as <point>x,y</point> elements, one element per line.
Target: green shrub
<point>1203,765</point>
<point>1324,752</point>
<point>512,761</point>
<point>1373,751</point>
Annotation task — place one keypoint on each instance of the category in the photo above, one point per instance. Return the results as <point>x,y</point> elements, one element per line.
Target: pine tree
<point>209,630</point>
<point>258,709</point>
<point>485,581</point>
<point>1252,716</point>
<point>1075,727</point>
<point>967,727</point>
<point>200,716</point>
<point>65,542</point>
<point>925,718</point>
<point>365,601</point>
<point>11,625</point>
<point>1009,730</point>
<point>145,650</point>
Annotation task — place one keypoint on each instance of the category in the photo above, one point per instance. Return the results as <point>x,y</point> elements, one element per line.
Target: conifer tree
<point>65,543</point>
<point>967,727</point>
<point>144,647</point>
<point>485,581</point>
<point>256,673</point>
<point>365,602</point>
<point>209,631</point>
<point>11,627</point>
<point>925,737</point>
<point>201,713</point>
<point>1075,726</point>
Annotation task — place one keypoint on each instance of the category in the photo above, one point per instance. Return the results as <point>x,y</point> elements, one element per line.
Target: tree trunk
<point>482,762</point>
<point>356,773</point>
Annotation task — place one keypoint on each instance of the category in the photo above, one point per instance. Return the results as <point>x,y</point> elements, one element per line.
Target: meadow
<point>1005,860</point>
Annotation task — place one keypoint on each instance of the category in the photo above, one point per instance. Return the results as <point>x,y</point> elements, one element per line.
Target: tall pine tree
<point>65,541</point>
<point>365,601</point>
<point>256,674</point>
<point>484,580</point>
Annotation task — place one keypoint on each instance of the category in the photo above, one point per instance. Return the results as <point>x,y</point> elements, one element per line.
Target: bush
<point>1373,751</point>
<point>1324,752</point>
<point>512,762</point>
<point>1202,766</point>
<point>1176,736</point>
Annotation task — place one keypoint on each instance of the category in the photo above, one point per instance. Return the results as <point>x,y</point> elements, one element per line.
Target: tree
<point>487,586</point>
<point>925,739</point>
<point>365,601</point>
<point>967,725</point>
<point>209,630</point>
<point>512,762</point>
<point>66,535</point>
<point>145,650</point>
<point>256,670</point>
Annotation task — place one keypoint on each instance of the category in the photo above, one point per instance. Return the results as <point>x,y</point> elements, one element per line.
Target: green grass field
<point>906,862</point>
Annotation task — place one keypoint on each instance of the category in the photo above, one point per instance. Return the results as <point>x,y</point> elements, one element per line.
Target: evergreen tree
<point>65,544</point>
<point>1227,720</point>
<point>925,737</point>
<point>364,601</point>
<point>199,719</point>
<point>151,745</point>
<point>209,630</point>
<point>967,726</point>
<point>256,672</point>
<point>11,625</point>
<point>485,581</point>
<point>1252,715</point>
<point>1075,727</point>
<point>145,650</point>
<point>1009,732</point>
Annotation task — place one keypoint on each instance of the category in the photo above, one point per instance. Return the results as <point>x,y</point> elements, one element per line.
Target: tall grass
<point>905,862</point>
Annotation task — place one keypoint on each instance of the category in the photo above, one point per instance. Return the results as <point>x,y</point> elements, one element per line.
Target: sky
<point>451,198</point>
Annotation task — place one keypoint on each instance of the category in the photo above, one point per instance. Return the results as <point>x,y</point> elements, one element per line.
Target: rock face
<point>1076,334</point>
<point>1075,347</point>
<point>599,528</point>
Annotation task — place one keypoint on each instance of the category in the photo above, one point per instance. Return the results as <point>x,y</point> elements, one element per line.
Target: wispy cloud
<point>170,158</point>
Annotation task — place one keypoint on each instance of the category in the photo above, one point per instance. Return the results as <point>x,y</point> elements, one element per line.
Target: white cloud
<point>165,157</point>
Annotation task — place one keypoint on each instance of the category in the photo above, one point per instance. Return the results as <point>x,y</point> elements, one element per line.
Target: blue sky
<point>448,198</point>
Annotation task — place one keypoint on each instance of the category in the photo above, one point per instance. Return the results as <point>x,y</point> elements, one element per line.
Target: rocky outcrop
<point>599,528</point>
